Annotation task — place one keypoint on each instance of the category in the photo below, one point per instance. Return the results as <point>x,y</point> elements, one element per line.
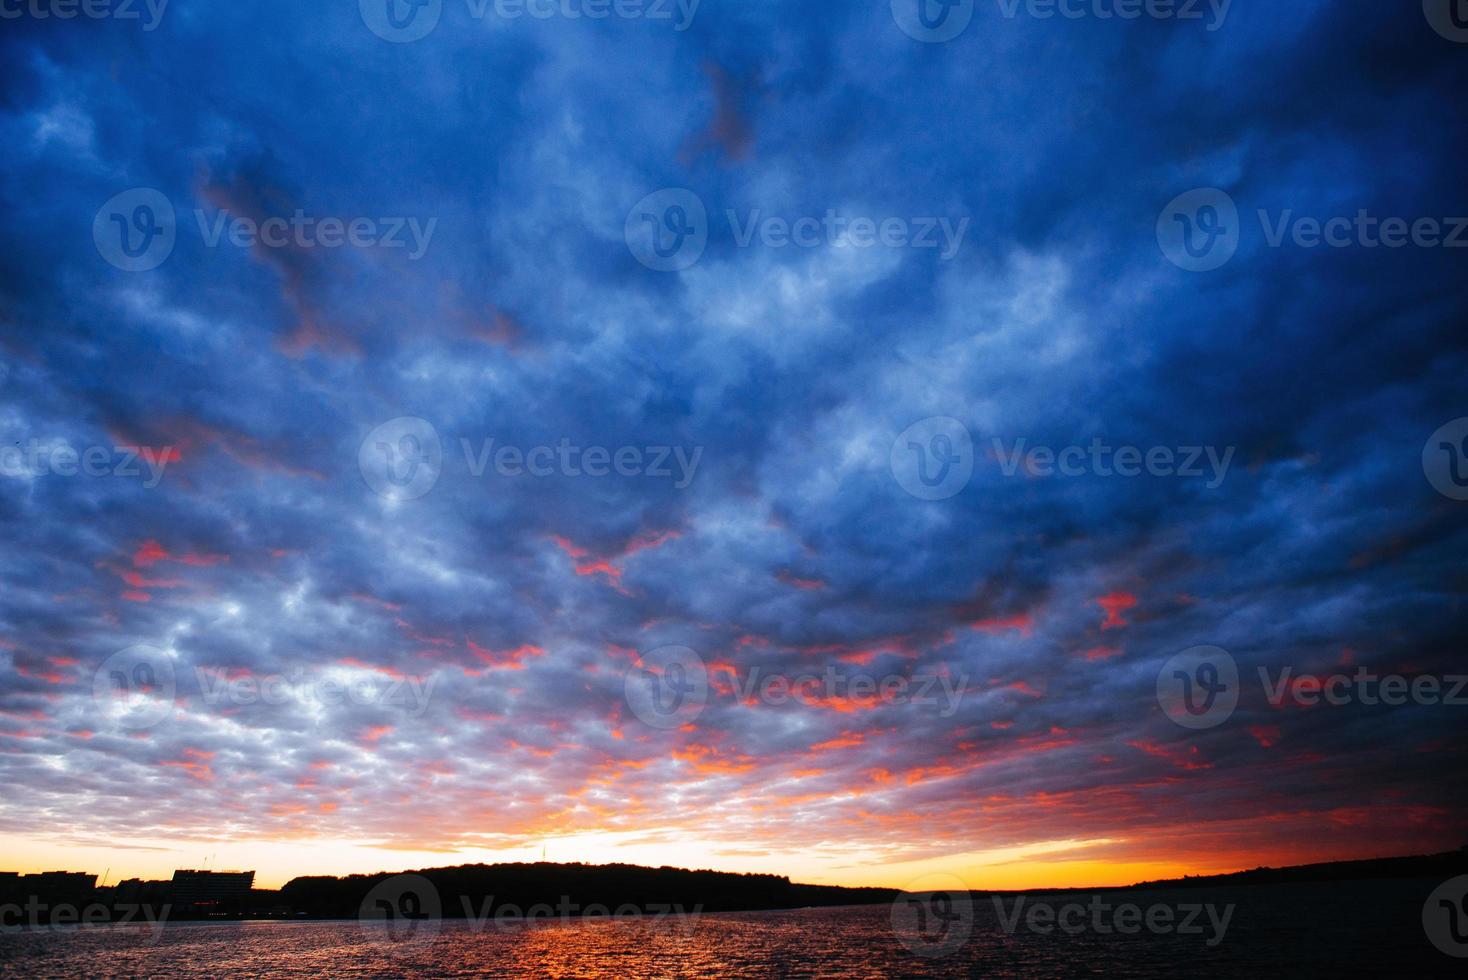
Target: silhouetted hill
<point>478,889</point>
<point>1446,865</point>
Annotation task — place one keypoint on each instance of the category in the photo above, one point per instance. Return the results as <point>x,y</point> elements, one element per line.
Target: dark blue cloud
<point>264,552</point>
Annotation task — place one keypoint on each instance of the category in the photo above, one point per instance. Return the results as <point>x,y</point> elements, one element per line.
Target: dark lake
<point>1336,930</point>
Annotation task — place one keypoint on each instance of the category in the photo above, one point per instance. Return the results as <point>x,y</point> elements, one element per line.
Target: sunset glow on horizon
<point>1061,864</point>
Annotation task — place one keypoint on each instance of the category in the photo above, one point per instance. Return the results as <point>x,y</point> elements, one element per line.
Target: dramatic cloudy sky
<point>487,622</point>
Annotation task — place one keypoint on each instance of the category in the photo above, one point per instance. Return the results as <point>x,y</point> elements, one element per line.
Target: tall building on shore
<point>204,890</point>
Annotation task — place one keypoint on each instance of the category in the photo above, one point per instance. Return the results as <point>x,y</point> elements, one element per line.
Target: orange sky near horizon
<point>1060,864</point>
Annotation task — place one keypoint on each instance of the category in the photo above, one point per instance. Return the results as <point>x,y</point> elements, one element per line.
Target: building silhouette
<point>205,891</point>
<point>73,888</point>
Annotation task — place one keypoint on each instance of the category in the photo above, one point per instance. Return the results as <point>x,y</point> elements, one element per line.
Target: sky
<point>840,440</point>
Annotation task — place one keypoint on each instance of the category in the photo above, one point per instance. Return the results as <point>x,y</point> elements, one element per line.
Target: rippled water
<point>1371,929</point>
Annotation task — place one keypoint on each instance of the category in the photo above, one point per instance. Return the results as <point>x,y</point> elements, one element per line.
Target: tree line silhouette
<point>466,890</point>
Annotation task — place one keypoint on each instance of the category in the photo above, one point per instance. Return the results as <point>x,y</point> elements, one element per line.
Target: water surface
<point>1338,930</point>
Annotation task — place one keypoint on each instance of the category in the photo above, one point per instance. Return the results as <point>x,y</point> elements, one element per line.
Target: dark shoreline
<point>505,893</point>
